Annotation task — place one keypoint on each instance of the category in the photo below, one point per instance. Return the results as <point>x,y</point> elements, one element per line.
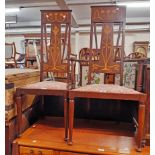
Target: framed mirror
<point>141,47</point>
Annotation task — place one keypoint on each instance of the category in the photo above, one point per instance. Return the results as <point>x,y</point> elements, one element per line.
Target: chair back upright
<point>107,36</point>
<point>10,50</point>
<point>56,27</point>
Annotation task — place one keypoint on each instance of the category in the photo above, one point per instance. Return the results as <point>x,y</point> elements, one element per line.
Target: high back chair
<point>12,57</point>
<point>111,21</point>
<point>30,58</point>
<point>53,59</point>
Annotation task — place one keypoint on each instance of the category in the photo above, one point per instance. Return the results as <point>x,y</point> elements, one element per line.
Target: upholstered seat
<point>107,88</point>
<point>49,85</point>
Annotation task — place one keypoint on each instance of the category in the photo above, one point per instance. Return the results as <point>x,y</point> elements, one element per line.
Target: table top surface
<point>19,71</point>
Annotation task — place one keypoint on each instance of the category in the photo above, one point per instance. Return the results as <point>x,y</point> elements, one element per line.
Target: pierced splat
<point>106,63</point>
<point>54,52</point>
<point>107,27</point>
<point>57,50</point>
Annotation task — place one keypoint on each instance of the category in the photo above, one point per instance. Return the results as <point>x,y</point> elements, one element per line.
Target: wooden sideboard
<point>15,78</point>
<point>45,137</point>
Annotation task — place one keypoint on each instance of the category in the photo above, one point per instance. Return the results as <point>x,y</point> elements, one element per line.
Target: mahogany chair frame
<point>106,64</point>
<point>53,62</point>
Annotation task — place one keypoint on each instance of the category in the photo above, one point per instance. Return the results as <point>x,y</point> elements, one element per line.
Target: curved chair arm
<point>135,55</point>
<point>21,57</point>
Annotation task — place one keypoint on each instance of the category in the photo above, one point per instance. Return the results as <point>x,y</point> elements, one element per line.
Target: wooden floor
<point>90,137</point>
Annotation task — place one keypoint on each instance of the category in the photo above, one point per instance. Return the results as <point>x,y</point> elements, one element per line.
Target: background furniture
<point>147,91</point>
<point>88,142</point>
<point>12,57</point>
<point>15,78</point>
<point>144,86</point>
<point>141,47</point>
<point>31,50</point>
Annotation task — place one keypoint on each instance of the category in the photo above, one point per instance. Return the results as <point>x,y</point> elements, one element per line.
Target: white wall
<point>130,38</point>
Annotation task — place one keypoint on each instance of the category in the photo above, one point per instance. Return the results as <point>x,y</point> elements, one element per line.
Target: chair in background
<point>30,59</point>
<point>84,63</point>
<point>111,21</point>
<point>13,59</point>
<point>54,58</point>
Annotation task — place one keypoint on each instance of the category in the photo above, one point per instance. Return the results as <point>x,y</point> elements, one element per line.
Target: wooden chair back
<point>111,21</point>
<point>10,50</point>
<point>12,57</point>
<point>55,56</point>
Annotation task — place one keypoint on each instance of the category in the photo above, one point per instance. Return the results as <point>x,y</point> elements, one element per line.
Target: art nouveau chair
<point>110,20</point>
<point>12,57</point>
<point>54,58</point>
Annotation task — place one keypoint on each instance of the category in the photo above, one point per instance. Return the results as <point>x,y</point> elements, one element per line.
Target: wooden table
<point>89,139</point>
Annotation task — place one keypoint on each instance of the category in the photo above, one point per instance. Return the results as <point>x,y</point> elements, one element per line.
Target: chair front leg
<point>141,119</point>
<point>66,118</point>
<point>71,121</point>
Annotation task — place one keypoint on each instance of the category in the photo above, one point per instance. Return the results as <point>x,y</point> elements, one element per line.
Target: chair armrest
<point>21,57</point>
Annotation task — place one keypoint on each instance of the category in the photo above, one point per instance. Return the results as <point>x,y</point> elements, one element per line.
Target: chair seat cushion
<point>106,88</point>
<point>50,85</point>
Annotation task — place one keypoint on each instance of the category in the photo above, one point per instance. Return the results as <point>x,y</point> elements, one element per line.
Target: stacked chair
<point>111,21</point>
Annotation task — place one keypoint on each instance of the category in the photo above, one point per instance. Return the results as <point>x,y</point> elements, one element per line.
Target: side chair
<point>54,58</point>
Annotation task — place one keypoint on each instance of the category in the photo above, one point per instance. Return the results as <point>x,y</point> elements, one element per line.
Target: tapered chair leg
<point>141,119</point>
<point>66,118</point>
<point>71,121</point>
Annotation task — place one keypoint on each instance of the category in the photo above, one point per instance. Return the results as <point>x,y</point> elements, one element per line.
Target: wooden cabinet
<point>71,153</point>
<point>143,85</point>
<point>16,78</point>
<point>35,151</point>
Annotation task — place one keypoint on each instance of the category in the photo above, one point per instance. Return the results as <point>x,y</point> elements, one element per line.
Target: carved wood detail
<point>109,14</point>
